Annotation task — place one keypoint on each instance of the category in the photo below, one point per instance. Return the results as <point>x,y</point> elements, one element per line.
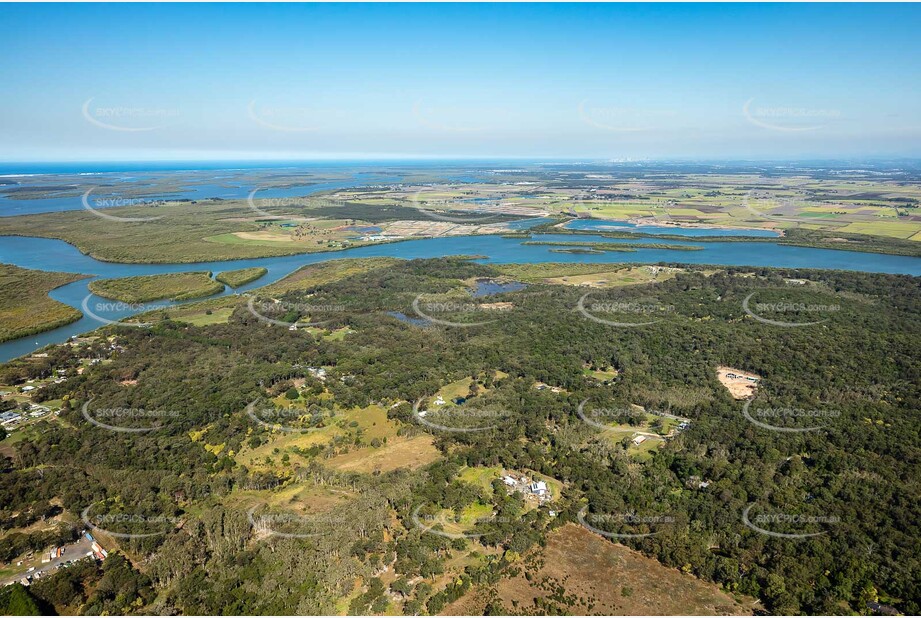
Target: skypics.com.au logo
<point>129,118</point>
<point>788,118</point>
<point>636,310</point>
<point>456,210</point>
<point>761,416</point>
<point>96,205</point>
<point>126,420</point>
<point>116,308</point>
<point>760,310</point>
<point>280,207</point>
<point>598,417</point>
<point>295,526</point>
<point>290,420</point>
<point>800,523</point>
<point>450,525</point>
<point>624,521</point>
<point>459,418</point>
<point>128,524</point>
<point>289,314</point>
<point>427,310</point>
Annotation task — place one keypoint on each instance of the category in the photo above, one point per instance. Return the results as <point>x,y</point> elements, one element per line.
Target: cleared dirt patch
<point>741,384</point>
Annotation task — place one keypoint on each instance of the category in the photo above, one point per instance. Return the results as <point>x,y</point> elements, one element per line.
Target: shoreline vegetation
<point>25,307</point>
<point>795,237</point>
<point>167,286</point>
<point>236,278</point>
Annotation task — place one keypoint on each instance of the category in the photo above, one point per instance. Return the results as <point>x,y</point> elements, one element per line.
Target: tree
<point>20,602</point>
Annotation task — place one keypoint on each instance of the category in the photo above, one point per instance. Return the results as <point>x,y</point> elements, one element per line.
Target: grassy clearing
<point>209,317</point>
<point>602,375</point>
<point>481,477</point>
<point>172,286</point>
<point>381,449</point>
<point>398,453</point>
<point>590,275</point>
<point>26,308</point>
<point>236,278</point>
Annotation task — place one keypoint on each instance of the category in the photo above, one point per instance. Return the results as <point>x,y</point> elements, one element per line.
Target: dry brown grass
<point>409,453</point>
<point>594,574</point>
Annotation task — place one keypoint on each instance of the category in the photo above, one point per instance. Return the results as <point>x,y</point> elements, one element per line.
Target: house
<point>509,480</point>
<point>317,372</point>
<point>539,488</point>
<point>27,389</point>
<point>10,418</point>
<point>637,440</point>
<point>439,401</point>
<point>883,610</point>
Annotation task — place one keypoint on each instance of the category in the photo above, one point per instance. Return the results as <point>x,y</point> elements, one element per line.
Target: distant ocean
<point>87,167</point>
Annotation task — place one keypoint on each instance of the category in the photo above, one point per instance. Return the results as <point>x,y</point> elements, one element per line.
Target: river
<point>56,255</point>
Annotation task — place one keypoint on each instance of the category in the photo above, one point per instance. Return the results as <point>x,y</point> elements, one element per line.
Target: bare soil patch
<point>741,384</point>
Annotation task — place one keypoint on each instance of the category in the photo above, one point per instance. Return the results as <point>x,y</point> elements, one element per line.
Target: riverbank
<point>54,255</point>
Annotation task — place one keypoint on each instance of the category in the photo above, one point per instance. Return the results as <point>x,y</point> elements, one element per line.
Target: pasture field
<point>26,308</point>
<point>204,318</point>
<point>356,440</point>
<point>147,288</point>
<point>397,453</point>
<point>480,476</point>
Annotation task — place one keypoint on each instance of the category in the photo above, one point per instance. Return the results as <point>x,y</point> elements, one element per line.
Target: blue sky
<point>282,81</point>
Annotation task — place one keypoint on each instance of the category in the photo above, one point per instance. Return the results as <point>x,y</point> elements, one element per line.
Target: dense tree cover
<point>16,600</point>
<point>860,472</point>
<point>110,588</point>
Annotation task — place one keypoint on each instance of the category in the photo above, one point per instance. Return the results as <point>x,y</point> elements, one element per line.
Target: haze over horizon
<point>592,82</point>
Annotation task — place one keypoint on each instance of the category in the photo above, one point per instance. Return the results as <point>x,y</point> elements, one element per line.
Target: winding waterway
<point>56,255</point>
